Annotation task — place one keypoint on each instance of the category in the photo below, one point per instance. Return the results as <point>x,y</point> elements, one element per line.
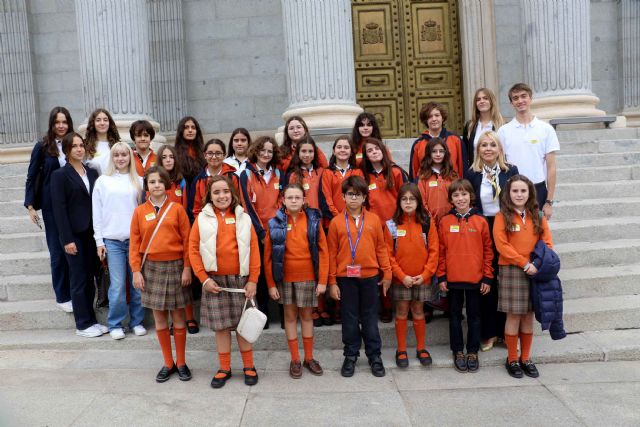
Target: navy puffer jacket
<point>546,290</point>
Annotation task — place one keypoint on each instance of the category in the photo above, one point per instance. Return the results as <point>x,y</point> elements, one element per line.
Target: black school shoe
<point>348,366</point>
<point>250,379</point>
<point>184,373</point>
<point>220,382</point>
<point>192,327</point>
<point>165,373</point>
<point>402,362</point>
<point>424,357</point>
<point>460,362</point>
<point>377,368</point>
<point>513,368</point>
<point>529,369</point>
<point>473,364</point>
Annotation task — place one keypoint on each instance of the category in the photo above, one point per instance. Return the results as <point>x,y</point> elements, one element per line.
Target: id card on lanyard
<point>353,269</point>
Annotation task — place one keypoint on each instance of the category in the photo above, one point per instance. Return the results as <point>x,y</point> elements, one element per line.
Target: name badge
<point>433,183</point>
<point>402,233</point>
<point>229,220</point>
<point>153,164</point>
<point>534,141</point>
<point>305,186</point>
<point>178,192</point>
<point>354,270</point>
<point>253,199</point>
<point>515,227</point>
<point>289,227</point>
<point>454,229</point>
<point>276,186</point>
<point>373,186</point>
<point>150,216</point>
<point>358,155</point>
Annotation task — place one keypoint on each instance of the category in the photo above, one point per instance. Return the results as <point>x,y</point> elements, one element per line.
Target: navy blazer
<point>476,180</point>
<point>50,164</point>
<point>72,201</point>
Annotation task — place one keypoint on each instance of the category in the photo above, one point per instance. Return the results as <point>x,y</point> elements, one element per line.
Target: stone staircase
<point>596,230</point>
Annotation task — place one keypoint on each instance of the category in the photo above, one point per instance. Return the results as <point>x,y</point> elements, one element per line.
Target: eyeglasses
<point>351,195</point>
<point>218,154</point>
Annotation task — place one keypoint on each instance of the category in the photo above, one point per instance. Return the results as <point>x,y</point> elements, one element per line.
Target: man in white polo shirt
<point>531,145</point>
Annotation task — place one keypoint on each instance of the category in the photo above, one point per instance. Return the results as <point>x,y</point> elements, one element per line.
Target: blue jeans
<point>359,307</point>
<point>119,269</point>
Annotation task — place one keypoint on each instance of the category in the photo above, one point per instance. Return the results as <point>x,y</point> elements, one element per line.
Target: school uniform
<point>465,262</point>
<point>382,200</point>
<point>198,187</point>
<point>331,199</point>
<point>311,180</point>
<point>177,193</point>
<point>223,246</point>
<point>285,161</point>
<point>144,164</point>
<point>434,190</point>
<point>71,200</point>
<point>420,145</point>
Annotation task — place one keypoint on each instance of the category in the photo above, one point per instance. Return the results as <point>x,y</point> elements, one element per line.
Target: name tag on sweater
<point>305,186</point>
<point>433,183</point>
<point>229,220</point>
<point>515,227</point>
<point>372,186</point>
<point>150,216</point>
<point>289,227</point>
<point>454,229</point>
<point>358,155</point>
<point>402,233</point>
<point>178,192</point>
<point>276,186</point>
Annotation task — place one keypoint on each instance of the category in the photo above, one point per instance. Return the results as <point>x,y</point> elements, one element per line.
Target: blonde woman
<point>485,117</point>
<point>116,195</point>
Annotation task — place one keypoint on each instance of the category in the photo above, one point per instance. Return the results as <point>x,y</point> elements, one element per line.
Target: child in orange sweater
<point>296,262</point>
<point>141,133</point>
<point>357,253</point>
<point>435,176</point>
<point>464,271</point>
<point>516,230</point>
<point>413,251</point>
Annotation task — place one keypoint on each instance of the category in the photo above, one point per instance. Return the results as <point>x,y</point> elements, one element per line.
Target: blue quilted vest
<point>278,235</point>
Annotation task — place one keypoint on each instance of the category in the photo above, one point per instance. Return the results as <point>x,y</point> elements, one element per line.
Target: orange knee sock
<point>526,340</point>
<point>401,334</point>
<point>225,363</point>
<point>247,361</point>
<point>180,338</point>
<point>188,312</point>
<point>420,329</point>
<point>307,343</point>
<point>293,349</point>
<point>512,347</point>
<point>165,345</point>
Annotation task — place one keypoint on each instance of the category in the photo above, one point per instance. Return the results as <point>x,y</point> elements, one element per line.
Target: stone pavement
<point>117,387</point>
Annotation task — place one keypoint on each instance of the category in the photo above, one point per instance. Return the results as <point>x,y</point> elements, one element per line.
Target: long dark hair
<point>352,157</point>
<point>91,137</point>
<point>446,170</point>
<point>508,209</point>
<point>243,131</point>
<point>356,138</point>
<point>387,164</point>
<point>49,139</point>
<point>189,166</point>
<point>287,144</point>
<point>422,216</point>
<point>175,174</point>
<point>296,163</point>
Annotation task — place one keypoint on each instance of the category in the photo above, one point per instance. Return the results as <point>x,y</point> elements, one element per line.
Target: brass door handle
<point>433,79</point>
<point>375,82</point>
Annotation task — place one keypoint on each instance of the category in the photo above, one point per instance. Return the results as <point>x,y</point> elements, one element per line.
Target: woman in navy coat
<point>71,188</point>
<point>489,174</point>
<point>46,158</point>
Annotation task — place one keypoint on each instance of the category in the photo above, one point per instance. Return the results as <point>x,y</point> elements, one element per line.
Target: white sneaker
<point>117,333</point>
<point>90,332</point>
<point>101,328</point>
<point>67,307</point>
<point>139,330</point>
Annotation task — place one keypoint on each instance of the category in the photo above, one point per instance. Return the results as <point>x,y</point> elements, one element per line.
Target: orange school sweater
<point>311,186</point>
<point>455,150</point>
<point>515,246</point>
<point>261,197</point>
<point>298,265</point>
<point>151,161</point>
<point>466,253</point>
<point>412,257</point>
<point>177,193</point>
<point>382,201</point>
<point>171,240</point>
<point>371,254</point>
<point>226,250</point>
<point>332,189</point>
<point>435,195</point>
<point>285,162</point>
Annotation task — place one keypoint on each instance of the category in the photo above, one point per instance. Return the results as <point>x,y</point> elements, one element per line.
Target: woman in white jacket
<point>116,195</point>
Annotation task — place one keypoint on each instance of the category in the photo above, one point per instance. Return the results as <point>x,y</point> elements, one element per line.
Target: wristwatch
<point>548,202</point>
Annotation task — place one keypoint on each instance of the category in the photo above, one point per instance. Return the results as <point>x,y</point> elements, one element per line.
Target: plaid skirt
<point>300,294</point>
<point>513,296</point>
<point>162,285</point>
<point>223,310</point>
<point>422,292</point>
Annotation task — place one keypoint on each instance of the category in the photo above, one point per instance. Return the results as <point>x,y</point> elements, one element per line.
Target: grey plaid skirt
<point>422,292</point>
<point>514,290</point>
<point>223,310</point>
<point>300,294</point>
<point>162,285</point>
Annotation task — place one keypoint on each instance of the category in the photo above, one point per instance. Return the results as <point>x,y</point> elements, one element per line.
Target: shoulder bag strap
<point>144,258</point>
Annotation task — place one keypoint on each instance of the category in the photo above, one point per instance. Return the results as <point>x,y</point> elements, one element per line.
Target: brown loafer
<point>313,366</point>
<point>295,369</point>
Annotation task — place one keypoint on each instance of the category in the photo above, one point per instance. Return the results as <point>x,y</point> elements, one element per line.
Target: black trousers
<point>456,301</point>
<point>359,311</point>
<point>81,276</point>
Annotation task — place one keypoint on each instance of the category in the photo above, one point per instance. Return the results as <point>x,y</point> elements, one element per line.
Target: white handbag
<point>251,322</point>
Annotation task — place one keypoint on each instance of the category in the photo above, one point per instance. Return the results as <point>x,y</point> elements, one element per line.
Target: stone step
<point>593,254</point>
<point>14,169</point>
<point>26,288</point>
<point>13,181</point>
<point>24,263</point>
<point>601,189</point>
<point>567,161</point>
<point>602,313</point>
<point>19,223</point>
<point>23,242</point>
<point>597,174</point>
<point>578,135</point>
<point>595,230</point>
<point>619,145</point>
<point>13,208</point>
<point>594,282</point>
<point>9,194</point>
<point>595,208</point>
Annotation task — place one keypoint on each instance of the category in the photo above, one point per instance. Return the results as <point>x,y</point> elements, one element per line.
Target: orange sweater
<point>171,240</point>
<point>151,161</point>
<point>515,247</point>
<point>435,195</point>
<point>382,201</point>
<point>226,250</point>
<point>412,257</point>
<point>298,265</point>
<point>455,150</point>
<point>311,185</point>
<point>332,189</point>
<point>285,162</point>
<point>177,194</point>
<point>261,198</point>
<point>466,253</point>
<point>372,254</point>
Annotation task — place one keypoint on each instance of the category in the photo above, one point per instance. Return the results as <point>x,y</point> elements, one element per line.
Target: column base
<point>633,117</point>
<point>339,116</point>
<point>557,107</point>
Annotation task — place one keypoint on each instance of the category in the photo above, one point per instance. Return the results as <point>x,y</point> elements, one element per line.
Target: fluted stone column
<point>168,75</point>
<point>321,77</point>
<point>478,43</point>
<point>557,39</point>
<point>114,60</point>
<point>17,99</point>
<point>631,61</point>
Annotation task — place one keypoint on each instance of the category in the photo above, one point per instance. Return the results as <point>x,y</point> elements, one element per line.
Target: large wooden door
<point>407,54</point>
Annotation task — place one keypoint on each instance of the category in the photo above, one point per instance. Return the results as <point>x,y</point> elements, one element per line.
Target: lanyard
<point>351,245</point>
